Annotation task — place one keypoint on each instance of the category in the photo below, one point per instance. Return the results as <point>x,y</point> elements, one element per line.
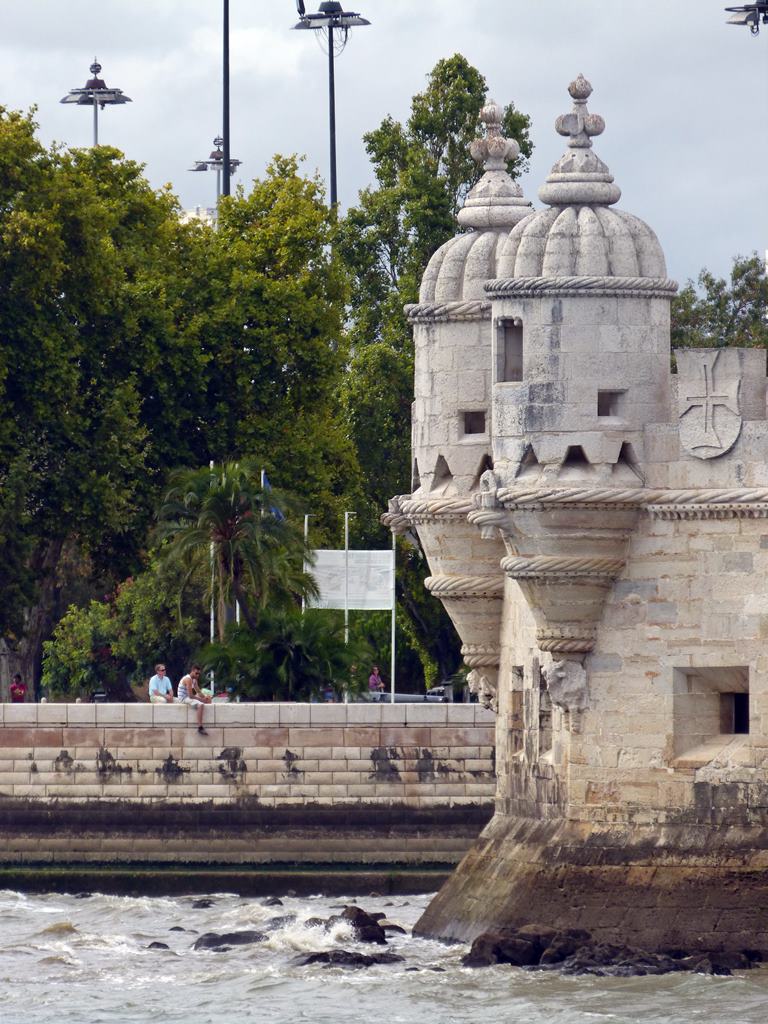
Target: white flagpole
<point>346,574</point>
<point>394,606</point>
<point>307,516</point>
<point>213,589</point>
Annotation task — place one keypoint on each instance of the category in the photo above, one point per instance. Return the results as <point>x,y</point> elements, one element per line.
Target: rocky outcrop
<point>574,951</point>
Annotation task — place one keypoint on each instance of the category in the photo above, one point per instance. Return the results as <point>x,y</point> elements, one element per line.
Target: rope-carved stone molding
<point>662,503</point>
<point>457,587</point>
<point>435,312</point>
<point>481,655</point>
<point>566,641</point>
<point>560,566</point>
<point>428,510</point>
<point>624,287</point>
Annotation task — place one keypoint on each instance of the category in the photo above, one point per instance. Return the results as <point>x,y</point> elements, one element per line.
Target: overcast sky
<point>684,96</point>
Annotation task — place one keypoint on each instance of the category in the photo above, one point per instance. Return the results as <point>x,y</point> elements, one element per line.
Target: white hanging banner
<point>369,587</point>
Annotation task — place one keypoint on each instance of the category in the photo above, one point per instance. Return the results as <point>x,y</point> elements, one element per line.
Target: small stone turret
<point>452,407</point>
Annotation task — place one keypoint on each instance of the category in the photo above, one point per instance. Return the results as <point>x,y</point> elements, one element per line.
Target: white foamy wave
<point>300,937</point>
<point>59,928</point>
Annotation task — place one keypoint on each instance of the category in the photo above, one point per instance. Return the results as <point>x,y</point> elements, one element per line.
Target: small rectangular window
<point>609,403</point>
<point>474,422</point>
<point>512,355</point>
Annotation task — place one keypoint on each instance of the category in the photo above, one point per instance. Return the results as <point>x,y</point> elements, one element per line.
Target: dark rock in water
<point>374,895</point>
<point>316,922</point>
<point>541,934</point>
<point>177,928</point>
<point>390,926</point>
<point>367,928</point>
<point>202,904</point>
<point>560,948</point>
<point>214,940</point>
<point>502,947</point>
<point>280,922</point>
<point>345,958</point>
<point>720,963</point>
<point>272,901</point>
<point>574,952</point>
<point>158,945</point>
<point>377,915</point>
<point>83,895</point>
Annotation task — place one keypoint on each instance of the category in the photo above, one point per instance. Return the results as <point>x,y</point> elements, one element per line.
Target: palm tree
<point>228,529</point>
<point>292,657</point>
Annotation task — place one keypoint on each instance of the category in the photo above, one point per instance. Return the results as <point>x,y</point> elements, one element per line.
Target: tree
<point>89,267</point>
<point>423,171</point>
<point>721,312</point>
<point>290,657</point>
<point>115,642</point>
<point>272,325</point>
<point>133,343</point>
<point>224,525</point>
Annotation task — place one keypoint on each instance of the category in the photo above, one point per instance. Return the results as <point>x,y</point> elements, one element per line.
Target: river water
<point>69,960</point>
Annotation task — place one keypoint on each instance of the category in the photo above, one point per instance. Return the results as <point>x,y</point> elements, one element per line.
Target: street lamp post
<point>96,94</point>
<point>750,15</point>
<point>227,164</point>
<point>335,22</point>
<point>217,162</point>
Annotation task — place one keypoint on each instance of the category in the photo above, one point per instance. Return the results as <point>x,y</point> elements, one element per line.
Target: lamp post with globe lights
<point>96,94</point>
<point>216,162</point>
<point>332,22</point>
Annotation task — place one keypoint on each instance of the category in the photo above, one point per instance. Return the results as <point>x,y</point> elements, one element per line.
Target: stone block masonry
<point>270,784</point>
<point>418,755</point>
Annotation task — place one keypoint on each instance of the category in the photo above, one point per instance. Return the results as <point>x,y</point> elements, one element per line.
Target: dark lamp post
<point>96,94</point>
<point>331,18</point>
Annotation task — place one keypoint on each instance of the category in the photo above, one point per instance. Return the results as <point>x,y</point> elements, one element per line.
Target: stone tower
<point>624,507</point>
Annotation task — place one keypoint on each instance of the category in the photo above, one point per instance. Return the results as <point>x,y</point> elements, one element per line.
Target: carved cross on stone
<point>710,415</point>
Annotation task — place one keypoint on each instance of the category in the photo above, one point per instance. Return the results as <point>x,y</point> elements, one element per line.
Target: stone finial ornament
<point>493,151</point>
<point>496,201</point>
<point>580,176</point>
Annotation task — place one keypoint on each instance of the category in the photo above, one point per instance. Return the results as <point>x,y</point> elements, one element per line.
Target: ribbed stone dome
<point>579,235</point>
<point>460,267</point>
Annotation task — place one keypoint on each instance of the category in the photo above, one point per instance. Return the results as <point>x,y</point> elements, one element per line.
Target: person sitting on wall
<point>18,690</point>
<point>160,688</point>
<point>189,692</point>
<point>375,683</point>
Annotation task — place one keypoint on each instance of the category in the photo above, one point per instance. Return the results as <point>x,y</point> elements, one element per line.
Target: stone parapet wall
<point>268,755</point>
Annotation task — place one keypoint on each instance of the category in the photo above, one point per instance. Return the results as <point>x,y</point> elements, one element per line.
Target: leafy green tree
<point>272,325</point>
<point>133,343</point>
<point>114,643</point>
<point>723,312</point>
<point>290,657</point>
<point>423,170</point>
<point>88,259</point>
<point>222,522</point>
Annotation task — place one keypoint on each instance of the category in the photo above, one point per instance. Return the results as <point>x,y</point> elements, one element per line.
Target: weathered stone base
<point>692,887</point>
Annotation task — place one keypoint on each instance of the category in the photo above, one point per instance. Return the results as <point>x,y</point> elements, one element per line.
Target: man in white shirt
<point>160,689</point>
